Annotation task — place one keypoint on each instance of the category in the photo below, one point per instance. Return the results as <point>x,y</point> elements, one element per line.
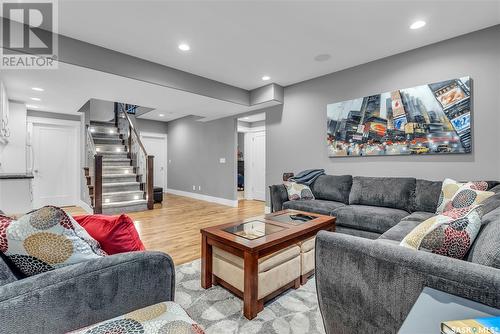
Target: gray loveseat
<point>83,294</point>
<point>369,286</point>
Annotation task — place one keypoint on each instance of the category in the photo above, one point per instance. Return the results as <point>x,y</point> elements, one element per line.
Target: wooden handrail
<point>98,184</point>
<point>149,182</point>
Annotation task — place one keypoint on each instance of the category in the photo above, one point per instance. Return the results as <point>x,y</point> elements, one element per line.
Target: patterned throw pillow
<point>451,187</point>
<point>298,191</point>
<point>166,317</point>
<point>446,235</point>
<point>465,199</point>
<point>45,239</point>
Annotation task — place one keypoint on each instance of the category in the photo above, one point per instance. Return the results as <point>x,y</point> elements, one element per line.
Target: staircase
<point>123,188</point>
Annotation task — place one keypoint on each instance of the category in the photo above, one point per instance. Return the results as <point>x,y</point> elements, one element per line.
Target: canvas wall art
<point>428,119</point>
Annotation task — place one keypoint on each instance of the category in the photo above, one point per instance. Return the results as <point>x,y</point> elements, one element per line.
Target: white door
<point>55,162</point>
<point>157,146</point>
<point>259,166</point>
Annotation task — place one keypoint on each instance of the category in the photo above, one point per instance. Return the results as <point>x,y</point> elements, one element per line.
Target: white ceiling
<point>69,87</point>
<point>237,42</point>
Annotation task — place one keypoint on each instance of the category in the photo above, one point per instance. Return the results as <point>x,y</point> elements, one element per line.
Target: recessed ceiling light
<point>37,89</point>
<point>417,24</point>
<point>31,106</point>
<point>161,115</point>
<point>323,57</point>
<point>36,99</point>
<point>247,117</point>
<point>266,77</point>
<point>184,47</point>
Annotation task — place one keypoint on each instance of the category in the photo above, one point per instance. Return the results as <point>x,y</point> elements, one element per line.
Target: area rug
<point>220,312</point>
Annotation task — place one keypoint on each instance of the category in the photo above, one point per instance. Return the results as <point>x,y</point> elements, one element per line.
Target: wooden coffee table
<point>253,249</point>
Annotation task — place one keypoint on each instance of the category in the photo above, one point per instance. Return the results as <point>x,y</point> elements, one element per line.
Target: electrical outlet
<point>222,160</point>
<point>194,188</point>
<point>199,187</point>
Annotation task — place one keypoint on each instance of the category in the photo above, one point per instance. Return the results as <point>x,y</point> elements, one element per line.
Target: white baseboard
<point>267,209</point>
<point>206,198</point>
<point>85,207</point>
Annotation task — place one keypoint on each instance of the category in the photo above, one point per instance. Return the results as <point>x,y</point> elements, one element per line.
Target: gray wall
<point>241,142</point>
<point>194,150</point>
<point>147,125</point>
<point>296,131</point>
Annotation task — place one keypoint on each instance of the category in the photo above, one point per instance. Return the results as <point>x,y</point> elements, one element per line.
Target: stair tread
<point>123,192</point>
<point>120,184</point>
<point>119,175</point>
<point>124,203</point>
<point>97,123</point>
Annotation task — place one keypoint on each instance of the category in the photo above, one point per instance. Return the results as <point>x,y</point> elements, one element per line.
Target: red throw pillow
<point>116,234</point>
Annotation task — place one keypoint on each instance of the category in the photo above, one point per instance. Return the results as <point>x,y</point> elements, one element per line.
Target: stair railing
<point>137,151</point>
<point>93,173</point>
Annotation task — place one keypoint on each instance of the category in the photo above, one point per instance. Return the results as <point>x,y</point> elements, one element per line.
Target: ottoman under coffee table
<point>258,258</point>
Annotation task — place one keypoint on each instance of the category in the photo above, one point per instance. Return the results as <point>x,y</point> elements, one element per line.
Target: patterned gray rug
<point>220,312</point>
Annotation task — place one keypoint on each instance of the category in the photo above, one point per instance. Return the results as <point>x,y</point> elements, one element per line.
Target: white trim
<point>163,136</point>
<point>267,209</point>
<point>206,198</point>
<point>85,207</point>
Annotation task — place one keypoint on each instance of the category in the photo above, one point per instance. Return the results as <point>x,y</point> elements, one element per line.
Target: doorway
<point>252,157</point>
<point>54,160</point>
<point>156,144</point>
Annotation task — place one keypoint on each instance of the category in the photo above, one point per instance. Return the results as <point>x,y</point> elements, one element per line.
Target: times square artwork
<point>428,119</point>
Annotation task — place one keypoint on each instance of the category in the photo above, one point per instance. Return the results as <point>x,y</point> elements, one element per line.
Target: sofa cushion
<point>391,192</point>
<point>419,216</point>
<point>486,248</point>
<point>46,239</point>
<point>332,187</point>
<point>115,234</point>
<point>315,206</point>
<point>493,202</point>
<point>6,274</point>
<point>368,218</point>
<point>405,226</point>
<point>426,195</point>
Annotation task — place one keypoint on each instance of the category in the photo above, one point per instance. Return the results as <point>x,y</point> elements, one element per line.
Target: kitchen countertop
<point>15,176</point>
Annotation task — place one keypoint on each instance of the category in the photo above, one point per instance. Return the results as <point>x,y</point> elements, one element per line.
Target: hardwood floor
<point>174,226</point>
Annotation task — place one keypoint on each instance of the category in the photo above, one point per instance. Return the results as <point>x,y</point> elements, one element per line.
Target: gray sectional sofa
<point>83,294</point>
<point>369,286</point>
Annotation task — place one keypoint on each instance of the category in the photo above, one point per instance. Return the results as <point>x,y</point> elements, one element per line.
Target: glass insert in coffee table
<point>254,229</point>
<point>294,218</point>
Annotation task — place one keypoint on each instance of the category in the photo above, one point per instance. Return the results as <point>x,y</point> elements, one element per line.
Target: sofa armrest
<point>369,286</point>
<point>83,294</point>
<point>278,196</point>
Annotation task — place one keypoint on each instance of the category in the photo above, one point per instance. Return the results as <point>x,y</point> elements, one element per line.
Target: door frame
<point>164,137</point>
<point>75,126</point>
<point>248,157</point>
